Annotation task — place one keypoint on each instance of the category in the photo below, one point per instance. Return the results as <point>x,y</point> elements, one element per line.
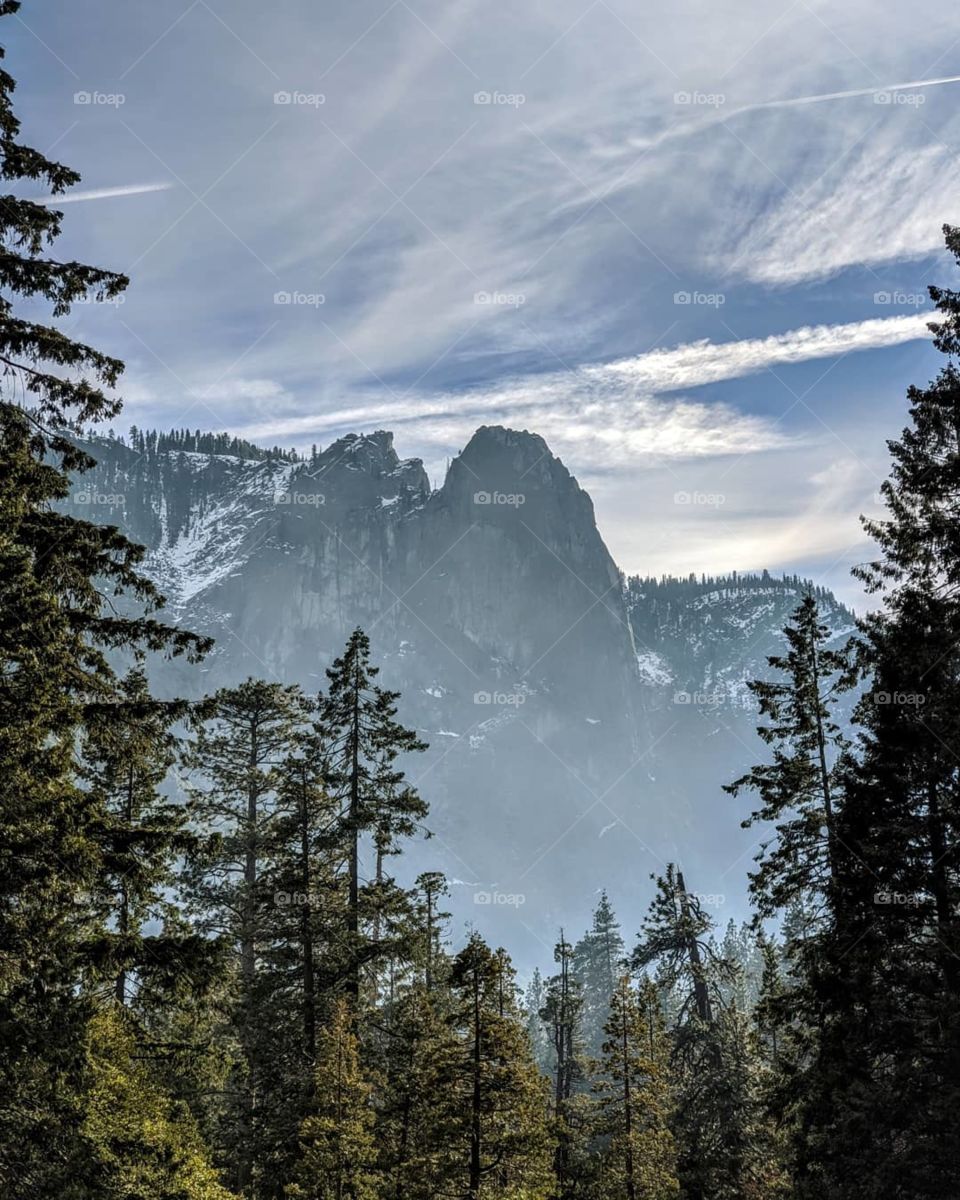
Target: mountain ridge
<point>561,698</point>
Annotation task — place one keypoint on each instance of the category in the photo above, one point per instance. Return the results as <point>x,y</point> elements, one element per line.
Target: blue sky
<point>687,244</point>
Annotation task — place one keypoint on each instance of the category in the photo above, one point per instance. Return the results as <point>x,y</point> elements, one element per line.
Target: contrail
<point>131,189</point>
<point>870,91</point>
<point>692,128</point>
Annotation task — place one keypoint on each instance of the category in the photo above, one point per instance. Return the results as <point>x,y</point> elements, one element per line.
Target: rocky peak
<point>364,470</point>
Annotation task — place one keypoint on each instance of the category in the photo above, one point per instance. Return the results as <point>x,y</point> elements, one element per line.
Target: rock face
<point>564,757</point>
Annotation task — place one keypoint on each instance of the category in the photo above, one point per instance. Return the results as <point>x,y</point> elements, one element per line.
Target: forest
<point>234,995</point>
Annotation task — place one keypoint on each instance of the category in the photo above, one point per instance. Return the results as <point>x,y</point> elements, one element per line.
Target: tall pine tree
<point>56,632</point>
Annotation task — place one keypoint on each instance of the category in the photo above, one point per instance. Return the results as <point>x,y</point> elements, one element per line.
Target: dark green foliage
<point>499,1142</point>
<point>597,964</point>
<point>55,636</point>
<point>724,1140</point>
<point>798,790</point>
<point>363,743</point>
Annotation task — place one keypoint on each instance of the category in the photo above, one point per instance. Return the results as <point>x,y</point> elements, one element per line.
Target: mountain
<point>580,724</point>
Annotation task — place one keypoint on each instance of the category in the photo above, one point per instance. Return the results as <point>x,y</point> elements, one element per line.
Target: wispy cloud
<point>888,205</point>
<point>619,413</point>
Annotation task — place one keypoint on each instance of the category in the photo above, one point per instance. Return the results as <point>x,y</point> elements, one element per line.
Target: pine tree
<point>418,1115</point>
<point>431,888</point>
<point>798,789</point>
<point>364,742</point>
<point>55,635</point>
<point>562,1014</point>
<point>722,1138</point>
<point>500,1144</point>
<point>144,1145</point>
<point>534,1002</point>
<point>873,1112</point>
<point>127,752</point>
<point>338,1138</point>
<point>634,1098</point>
<point>235,764</point>
<point>598,963</point>
<point>300,877</point>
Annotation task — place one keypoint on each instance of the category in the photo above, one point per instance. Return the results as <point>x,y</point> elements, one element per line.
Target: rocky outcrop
<point>561,759</point>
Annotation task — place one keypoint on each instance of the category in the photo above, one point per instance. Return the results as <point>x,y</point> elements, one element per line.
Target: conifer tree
<point>144,1145</point>
<point>500,1144</point>
<point>364,742</point>
<point>431,887</point>
<point>534,1002</point>
<point>562,1014</point>
<point>798,789</point>
<point>722,1137</point>
<point>338,1158</point>
<point>235,765</point>
<point>55,636</point>
<point>598,963</point>
<point>300,878</point>
<point>126,756</point>
<point>634,1098</point>
<point>873,1108</point>
<point>418,1113</point>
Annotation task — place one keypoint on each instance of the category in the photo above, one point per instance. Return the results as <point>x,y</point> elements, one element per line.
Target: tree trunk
<point>701,992</point>
<point>627,1113</point>
<point>475,1127</point>
<point>248,964</point>
<point>306,935</point>
<point>123,916</point>
<point>353,914</point>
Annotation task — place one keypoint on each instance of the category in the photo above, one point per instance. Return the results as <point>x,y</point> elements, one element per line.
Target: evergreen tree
<point>874,1106</point>
<point>55,635</point>
<point>499,1136</point>
<point>798,789</point>
<point>339,1142</point>
<point>431,888</point>
<point>562,1014</point>
<point>634,1098</point>
<point>534,1002</point>
<point>419,1119</point>
<point>364,742</point>
<point>722,1137</point>
<point>126,756</point>
<point>144,1145</point>
<point>235,764</point>
<point>598,963</point>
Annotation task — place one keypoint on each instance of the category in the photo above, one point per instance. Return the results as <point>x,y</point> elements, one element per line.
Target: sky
<point>687,244</point>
